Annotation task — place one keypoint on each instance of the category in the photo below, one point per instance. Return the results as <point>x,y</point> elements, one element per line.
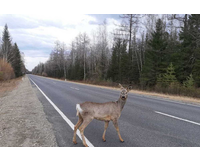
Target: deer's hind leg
<point>104,133</point>
<point>85,123</point>
<point>80,121</point>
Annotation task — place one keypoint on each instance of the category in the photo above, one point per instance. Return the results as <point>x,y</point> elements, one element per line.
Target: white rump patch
<point>78,108</point>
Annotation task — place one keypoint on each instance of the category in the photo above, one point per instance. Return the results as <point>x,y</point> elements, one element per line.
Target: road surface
<point>145,121</point>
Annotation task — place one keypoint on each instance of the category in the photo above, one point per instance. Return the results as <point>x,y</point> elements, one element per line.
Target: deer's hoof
<point>86,145</point>
<point>122,141</point>
<point>104,140</point>
<point>74,142</point>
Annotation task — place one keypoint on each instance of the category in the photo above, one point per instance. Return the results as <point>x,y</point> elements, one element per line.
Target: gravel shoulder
<point>23,122</point>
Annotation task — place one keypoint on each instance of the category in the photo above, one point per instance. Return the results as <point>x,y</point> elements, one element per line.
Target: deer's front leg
<point>104,133</point>
<point>117,129</point>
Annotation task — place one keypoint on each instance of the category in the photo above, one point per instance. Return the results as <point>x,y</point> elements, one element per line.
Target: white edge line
<point>178,118</point>
<point>63,116</point>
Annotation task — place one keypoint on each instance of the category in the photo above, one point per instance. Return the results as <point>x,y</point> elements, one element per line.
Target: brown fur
<point>109,111</point>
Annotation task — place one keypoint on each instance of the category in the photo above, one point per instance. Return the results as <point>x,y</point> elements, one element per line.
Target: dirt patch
<point>22,119</point>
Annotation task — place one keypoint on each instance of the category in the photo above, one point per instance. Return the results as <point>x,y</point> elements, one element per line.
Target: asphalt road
<point>145,121</point>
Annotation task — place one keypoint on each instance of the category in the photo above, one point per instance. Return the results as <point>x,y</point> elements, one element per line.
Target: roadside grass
<point>8,86</point>
<point>114,86</point>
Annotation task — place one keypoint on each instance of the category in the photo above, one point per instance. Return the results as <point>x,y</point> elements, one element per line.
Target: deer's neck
<point>121,103</point>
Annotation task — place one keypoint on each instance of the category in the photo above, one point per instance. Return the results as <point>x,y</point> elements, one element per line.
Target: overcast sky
<point>36,34</point>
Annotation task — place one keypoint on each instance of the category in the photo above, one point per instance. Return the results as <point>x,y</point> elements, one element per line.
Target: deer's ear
<point>129,88</point>
<point>121,86</point>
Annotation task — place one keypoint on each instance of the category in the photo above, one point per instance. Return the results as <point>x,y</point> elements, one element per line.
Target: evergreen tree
<point>167,78</point>
<point>17,63</point>
<point>173,51</point>
<point>194,23</point>
<point>185,51</point>
<point>124,64</point>
<point>190,47</point>
<point>118,71</point>
<point>189,83</point>
<point>156,57</point>
<point>6,46</point>
<point>196,70</point>
<point>114,65</point>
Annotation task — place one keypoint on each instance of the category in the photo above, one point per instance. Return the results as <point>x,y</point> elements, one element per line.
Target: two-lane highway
<point>145,121</point>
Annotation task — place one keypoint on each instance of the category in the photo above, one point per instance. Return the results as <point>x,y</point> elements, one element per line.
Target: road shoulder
<point>23,122</point>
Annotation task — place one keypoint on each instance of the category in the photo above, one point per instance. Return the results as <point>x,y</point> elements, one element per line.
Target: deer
<point>109,111</point>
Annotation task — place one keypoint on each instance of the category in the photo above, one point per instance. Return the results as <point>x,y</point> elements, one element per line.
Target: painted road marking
<point>178,118</point>
<point>74,88</point>
<point>63,115</point>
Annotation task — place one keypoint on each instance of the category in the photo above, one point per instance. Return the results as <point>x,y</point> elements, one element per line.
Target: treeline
<point>11,61</point>
<point>151,52</point>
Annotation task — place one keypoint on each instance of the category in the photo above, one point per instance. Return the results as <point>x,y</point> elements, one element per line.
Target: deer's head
<point>124,92</point>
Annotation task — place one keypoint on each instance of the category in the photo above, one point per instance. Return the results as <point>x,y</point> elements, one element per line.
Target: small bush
<point>178,89</point>
<point>189,83</point>
<point>6,71</point>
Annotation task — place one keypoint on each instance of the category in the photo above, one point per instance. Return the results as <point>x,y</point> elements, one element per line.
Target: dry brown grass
<point>6,71</point>
<point>168,96</point>
<point>8,86</point>
<point>154,94</point>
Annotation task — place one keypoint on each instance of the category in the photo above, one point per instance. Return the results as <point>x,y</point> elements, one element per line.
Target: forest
<point>11,59</point>
<point>158,53</point>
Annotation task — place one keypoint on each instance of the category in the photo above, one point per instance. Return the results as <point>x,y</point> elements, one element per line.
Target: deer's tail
<point>78,108</point>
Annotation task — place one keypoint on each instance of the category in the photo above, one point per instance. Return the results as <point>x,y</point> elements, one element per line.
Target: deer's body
<point>102,111</point>
<point>109,111</point>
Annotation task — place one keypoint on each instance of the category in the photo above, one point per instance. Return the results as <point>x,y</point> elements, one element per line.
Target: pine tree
<point>189,83</point>
<point>169,77</point>
<point>185,51</point>
<point>156,57</point>
<point>6,46</point>
<point>124,66</point>
<point>17,63</point>
<point>114,65</point>
<point>118,70</point>
<point>190,47</point>
<point>194,23</point>
<point>196,70</point>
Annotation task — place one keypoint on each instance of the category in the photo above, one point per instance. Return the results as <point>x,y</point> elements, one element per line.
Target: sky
<point>35,34</point>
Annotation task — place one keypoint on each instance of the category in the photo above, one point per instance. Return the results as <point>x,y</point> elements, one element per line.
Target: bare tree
<point>129,25</point>
<point>85,44</point>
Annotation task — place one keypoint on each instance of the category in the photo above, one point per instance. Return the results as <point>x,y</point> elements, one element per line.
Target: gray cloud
<point>36,34</point>
<point>24,22</point>
<point>15,21</point>
<point>27,41</point>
